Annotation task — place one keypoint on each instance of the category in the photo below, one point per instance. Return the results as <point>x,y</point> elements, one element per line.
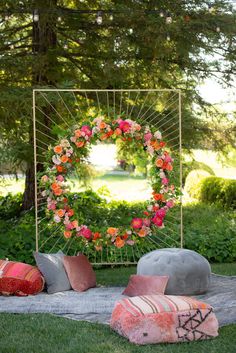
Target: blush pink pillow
<point>145,285</point>
<point>80,272</point>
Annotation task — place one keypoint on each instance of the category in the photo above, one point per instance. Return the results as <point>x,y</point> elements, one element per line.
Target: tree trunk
<point>43,39</point>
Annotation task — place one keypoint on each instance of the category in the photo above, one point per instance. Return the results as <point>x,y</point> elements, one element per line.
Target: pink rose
<point>170,203</point>
<point>165,181</point>
<point>130,242</point>
<point>157,221</point>
<point>146,222</point>
<point>44,178</point>
<point>69,226</point>
<point>60,178</point>
<point>160,213</point>
<point>124,125</point>
<point>86,129</point>
<point>147,136</point>
<point>137,223</point>
<point>86,233</point>
<point>168,159</point>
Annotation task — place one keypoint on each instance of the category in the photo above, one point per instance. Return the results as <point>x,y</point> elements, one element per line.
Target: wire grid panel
<point>56,110</point>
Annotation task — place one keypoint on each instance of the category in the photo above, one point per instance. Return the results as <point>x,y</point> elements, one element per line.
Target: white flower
<point>44,193</point>
<point>95,129</point>
<point>157,135</point>
<point>56,160</point>
<point>162,175</point>
<point>149,208</point>
<point>65,143</point>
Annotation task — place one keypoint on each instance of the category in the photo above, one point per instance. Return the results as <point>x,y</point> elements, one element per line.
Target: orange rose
<point>117,131</point>
<point>58,149</point>
<point>96,235</point>
<point>77,133</point>
<point>60,169</point>
<point>60,212</point>
<point>159,163</point>
<point>67,234</point>
<point>80,144</point>
<point>75,223</point>
<point>70,212</point>
<point>162,144</point>
<point>155,145</point>
<point>64,158</point>
<point>98,247</point>
<point>169,167</point>
<point>142,233</point>
<point>102,125</point>
<point>112,231</point>
<point>58,192</point>
<point>119,243</point>
<point>103,137</point>
<point>125,236</point>
<point>158,197</point>
<point>55,186</point>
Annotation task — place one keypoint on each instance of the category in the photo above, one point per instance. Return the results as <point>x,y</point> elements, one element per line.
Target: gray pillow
<point>52,268</point>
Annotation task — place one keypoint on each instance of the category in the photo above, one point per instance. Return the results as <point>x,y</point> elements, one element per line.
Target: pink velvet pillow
<point>145,285</point>
<point>80,272</point>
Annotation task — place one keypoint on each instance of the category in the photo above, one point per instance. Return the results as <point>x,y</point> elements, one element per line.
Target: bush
<point>219,191</point>
<point>193,182</point>
<point>190,166</point>
<point>10,205</point>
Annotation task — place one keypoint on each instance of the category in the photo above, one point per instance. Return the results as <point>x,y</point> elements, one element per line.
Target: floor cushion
<point>163,318</point>
<point>189,272</point>
<point>52,268</point>
<point>19,278</point>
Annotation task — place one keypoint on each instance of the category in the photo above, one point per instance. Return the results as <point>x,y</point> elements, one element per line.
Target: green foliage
<point>193,182</point>
<point>190,166</point>
<point>218,191</point>
<point>10,205</point>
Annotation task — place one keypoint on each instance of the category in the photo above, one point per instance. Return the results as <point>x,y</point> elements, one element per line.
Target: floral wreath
<point>73,150</point>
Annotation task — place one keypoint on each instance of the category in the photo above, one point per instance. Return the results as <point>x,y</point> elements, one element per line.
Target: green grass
<point>42,333</point>
<point>45,333</point>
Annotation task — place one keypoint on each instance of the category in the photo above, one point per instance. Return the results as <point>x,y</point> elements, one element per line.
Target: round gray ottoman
<point>189,272</point>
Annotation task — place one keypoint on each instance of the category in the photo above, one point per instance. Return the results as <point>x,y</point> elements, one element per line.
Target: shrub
<point>193,182</point>
<point>10,205</point>
<point>218,190</point>
<point>193,165</point>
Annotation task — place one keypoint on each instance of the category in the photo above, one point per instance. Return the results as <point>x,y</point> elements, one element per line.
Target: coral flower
<point>57,149</point>
<point>77,133</point>
<point>70,212</point>
<point>169,167</point>
<point>119,243</point>
<point>102,125</point>
<point>60,169</point>
<point>80,144</point>
<point>162,144</point>
<point>118,132</point>
<point>112,231</point>
<point>159,163</point>
<point>55,186</point>
<point>157,197</point>
<point>64,158</point>
<point>155,145</point>
<point>67,234</point>
<point>58,192</point>
<point>103,137</point>
<point>137,223</point>
<point>75,224</point>
<point>96,235</point>
<point>142,233</point>
<point>124,126</point>
<point>98,247</point>
<point>60,212</point>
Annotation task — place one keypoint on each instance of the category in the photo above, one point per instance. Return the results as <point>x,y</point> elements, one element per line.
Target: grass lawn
<point>44,333</point>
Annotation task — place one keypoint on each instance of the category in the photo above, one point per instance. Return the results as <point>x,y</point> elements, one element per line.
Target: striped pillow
<point>19,278</point>
<point>163,318</point>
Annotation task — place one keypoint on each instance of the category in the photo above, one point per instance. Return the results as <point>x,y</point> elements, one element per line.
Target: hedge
<point>218,191</point>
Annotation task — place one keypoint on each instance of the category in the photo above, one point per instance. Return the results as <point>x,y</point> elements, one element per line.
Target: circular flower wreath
<point>71,151</point>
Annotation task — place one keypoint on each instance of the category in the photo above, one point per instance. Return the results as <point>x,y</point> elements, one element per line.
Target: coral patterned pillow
<point>19,278</point>
<point>163,318</point>
<point>144,285</point>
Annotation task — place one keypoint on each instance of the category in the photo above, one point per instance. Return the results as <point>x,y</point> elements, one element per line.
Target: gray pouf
<point>189,272</point>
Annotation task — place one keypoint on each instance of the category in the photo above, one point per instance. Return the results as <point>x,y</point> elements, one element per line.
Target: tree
<point>63,43</point>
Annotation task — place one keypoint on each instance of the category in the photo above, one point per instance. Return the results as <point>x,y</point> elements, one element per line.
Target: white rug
<point>96,304</point>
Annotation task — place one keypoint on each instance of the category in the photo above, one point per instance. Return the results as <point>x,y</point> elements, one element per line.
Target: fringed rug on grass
<point>96,304</point>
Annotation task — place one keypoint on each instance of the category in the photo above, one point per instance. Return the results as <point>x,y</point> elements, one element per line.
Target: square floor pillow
<point>163,318</point>
<point>19,278</point>
<point>145,285</point>
<point>80,272</point>
<point>51,267</point>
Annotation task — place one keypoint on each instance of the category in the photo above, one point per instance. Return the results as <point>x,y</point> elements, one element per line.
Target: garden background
<point>111,45</point>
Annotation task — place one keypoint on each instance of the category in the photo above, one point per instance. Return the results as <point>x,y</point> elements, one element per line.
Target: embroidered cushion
<point>163,318</point>
<point>144,285</point>
<point>51,266</point>
<point>80,272</point>
<point>19,278</point>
